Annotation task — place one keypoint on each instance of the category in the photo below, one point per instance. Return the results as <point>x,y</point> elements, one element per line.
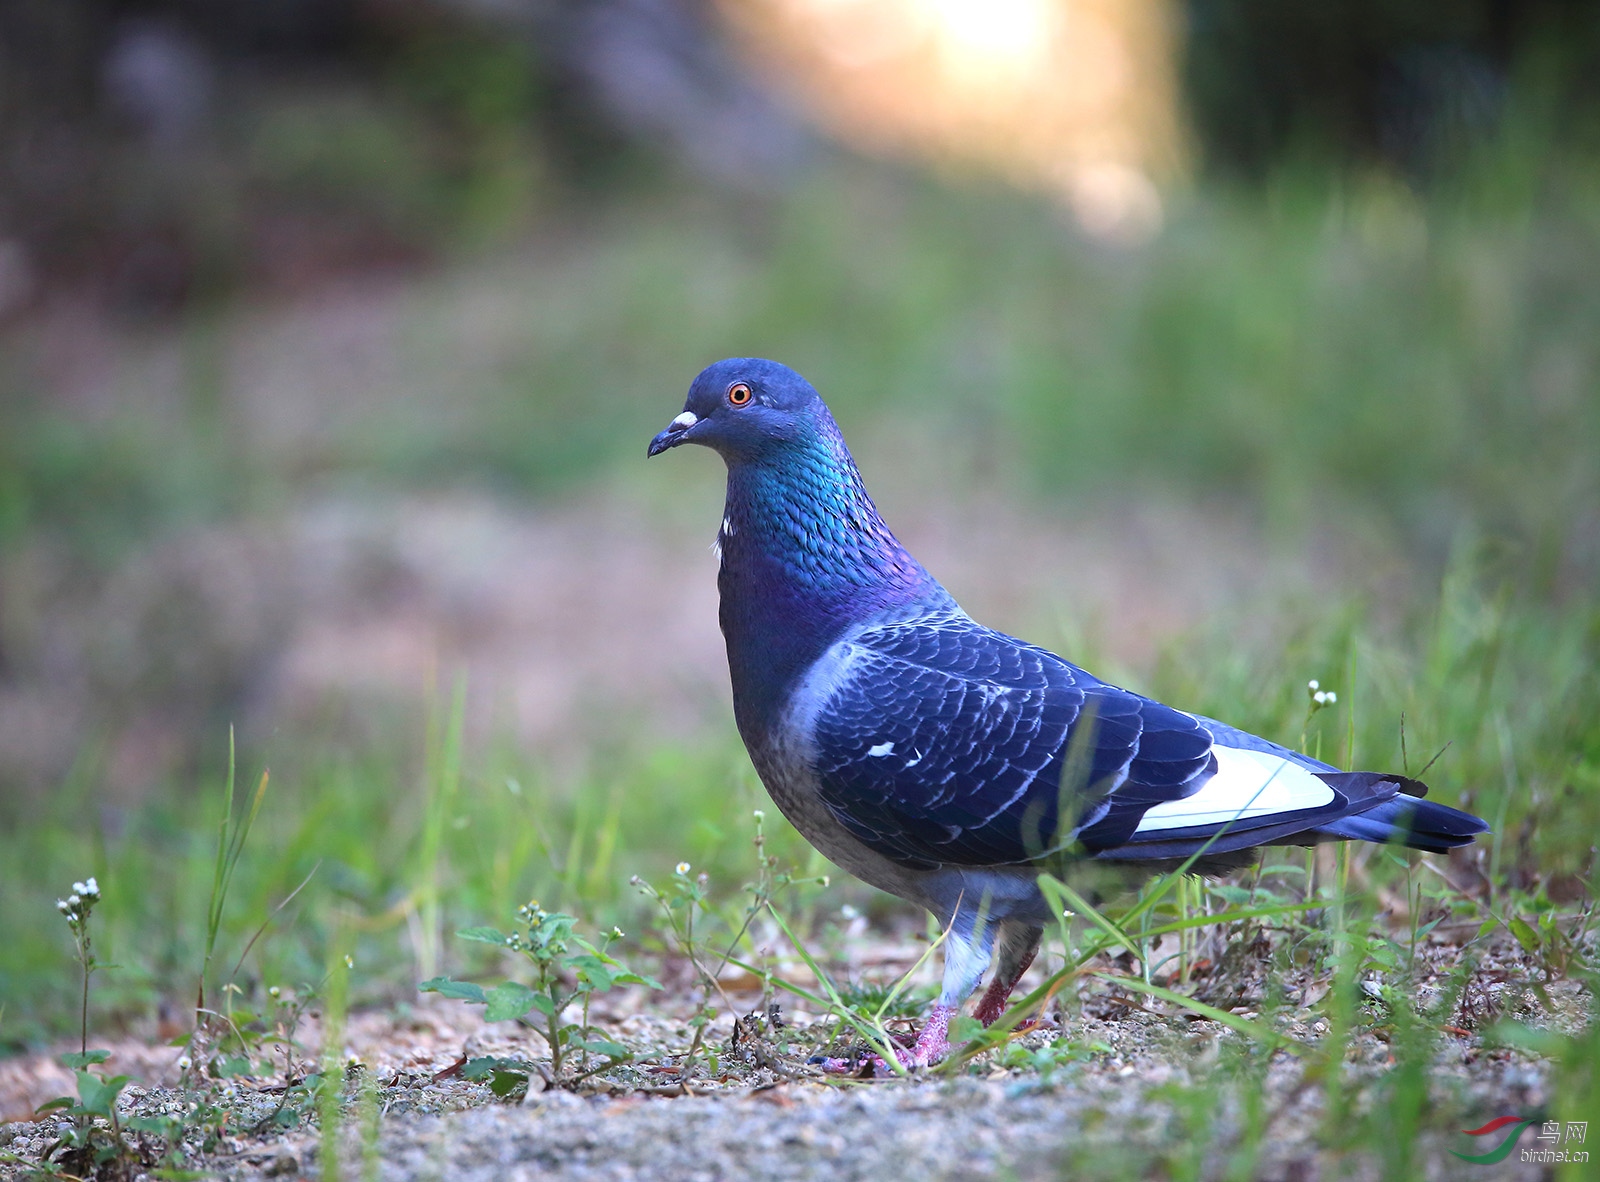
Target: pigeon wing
<point>942,742</point>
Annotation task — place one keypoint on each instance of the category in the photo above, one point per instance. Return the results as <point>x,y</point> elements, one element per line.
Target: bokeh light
<point>1076,97</point>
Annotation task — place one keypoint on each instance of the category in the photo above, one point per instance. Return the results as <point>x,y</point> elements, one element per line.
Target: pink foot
<point>931,1047</point>
<point>933,1044</point>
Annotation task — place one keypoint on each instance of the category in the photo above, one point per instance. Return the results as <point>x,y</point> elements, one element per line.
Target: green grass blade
<point>871,1031</point>
<point>1059,893</point>
<point>1243,1025</point>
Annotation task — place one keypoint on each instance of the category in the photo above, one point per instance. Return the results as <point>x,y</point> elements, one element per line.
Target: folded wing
<point>941,742</point>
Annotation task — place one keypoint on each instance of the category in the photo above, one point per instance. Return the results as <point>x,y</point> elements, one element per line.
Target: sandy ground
<point>1120,1103</point>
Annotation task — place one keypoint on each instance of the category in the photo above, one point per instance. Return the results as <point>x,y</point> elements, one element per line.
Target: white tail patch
<point>881,749</point>
<point>1247,784</point>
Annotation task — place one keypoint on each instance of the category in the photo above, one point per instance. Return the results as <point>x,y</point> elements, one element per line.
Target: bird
<point>943,761</point>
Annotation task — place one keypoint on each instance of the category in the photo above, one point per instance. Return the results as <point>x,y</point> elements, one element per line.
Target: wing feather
<point>943,742</point>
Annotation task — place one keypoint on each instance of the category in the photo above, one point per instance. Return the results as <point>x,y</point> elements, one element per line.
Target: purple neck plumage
<point>805,556</point>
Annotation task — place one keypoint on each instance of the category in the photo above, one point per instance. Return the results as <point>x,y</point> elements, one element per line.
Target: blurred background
<point>1219,344</point>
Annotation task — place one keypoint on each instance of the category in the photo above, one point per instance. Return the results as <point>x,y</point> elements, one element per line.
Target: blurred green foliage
<point>1334,343</point>
<point>1405,81</point>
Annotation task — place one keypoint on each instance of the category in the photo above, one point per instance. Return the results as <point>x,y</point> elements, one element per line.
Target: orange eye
<point>738,394</point>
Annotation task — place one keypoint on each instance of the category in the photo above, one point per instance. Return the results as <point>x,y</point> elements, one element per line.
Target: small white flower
<point>616,933</point>
<point>1319,698</point>
<point>73,900</point>
<point>1313,685</point>
<point>93,890</point>
<point>683,868</point>
<point>759,815</point>
<point>184,1062</point>
<point>274,992</point>
<point>1332,697</point>
<point>64,907</point>
<point>349,961</point>
<point>79,888</point>
<point>849,912</point>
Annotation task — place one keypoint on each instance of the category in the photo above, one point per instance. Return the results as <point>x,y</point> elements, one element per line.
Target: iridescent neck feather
<point>805,556</point>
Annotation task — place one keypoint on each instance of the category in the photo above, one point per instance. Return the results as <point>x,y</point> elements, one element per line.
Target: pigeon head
<point>746,408</point>
<point>803,551</point>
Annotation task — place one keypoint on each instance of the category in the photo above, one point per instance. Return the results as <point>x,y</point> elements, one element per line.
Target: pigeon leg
<point>967,951</point>
<point>1019,943</point>
<point>966,959</point>
<point>933,1043</point>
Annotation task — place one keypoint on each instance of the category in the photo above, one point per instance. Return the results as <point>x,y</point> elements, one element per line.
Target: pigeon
<point>944,762</point>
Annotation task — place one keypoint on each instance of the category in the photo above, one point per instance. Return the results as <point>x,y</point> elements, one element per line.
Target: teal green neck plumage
<point>805,555</point>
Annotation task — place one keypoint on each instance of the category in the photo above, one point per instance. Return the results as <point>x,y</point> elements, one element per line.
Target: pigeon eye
<point>738,394</point>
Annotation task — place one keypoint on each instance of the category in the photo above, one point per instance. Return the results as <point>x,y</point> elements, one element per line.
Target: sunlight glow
<point>982,34</point>
<point>1076,97</point>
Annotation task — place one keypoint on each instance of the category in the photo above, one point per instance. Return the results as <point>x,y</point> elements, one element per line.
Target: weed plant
<point>568,970</point>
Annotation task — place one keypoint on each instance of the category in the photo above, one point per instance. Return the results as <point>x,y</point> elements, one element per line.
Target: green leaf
<point>554,928</point>
<point>1384,954</point>
<point>504,1075</point>
<point>97,1095</point>
<point>508,1002</point>
<point>483,935</point>
<point>1526,936</point>
<point>503,1083</point>
<point>1229,893</point>
<point>594,970</point>
<point>604,1046</point>
<point>162,1126</point>
<point>965,1029</point>
<point>85,1059</point>
<point>545,1004</point>
<point>231,1066</point>
<point>460,990</point>
<point>632,978</point>
<point>52,1105</point>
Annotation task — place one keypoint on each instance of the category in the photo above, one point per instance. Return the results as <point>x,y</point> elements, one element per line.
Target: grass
<point>1505,689</point>
<point>1319,354</point>
<point>1332,345</point>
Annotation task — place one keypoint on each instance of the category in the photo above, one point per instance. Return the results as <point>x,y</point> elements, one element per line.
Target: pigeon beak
<point>674,434</point>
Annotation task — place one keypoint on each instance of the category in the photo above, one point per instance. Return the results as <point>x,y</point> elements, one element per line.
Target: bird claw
<point>931,1047</point>
<point>874,1066</point>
